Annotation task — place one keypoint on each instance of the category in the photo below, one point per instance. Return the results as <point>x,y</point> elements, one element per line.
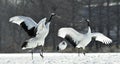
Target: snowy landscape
<point>55,26</point>
<point>61,58</point>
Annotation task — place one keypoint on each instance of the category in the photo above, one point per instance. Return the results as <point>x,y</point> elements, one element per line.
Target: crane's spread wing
<point>102,38</point>
<point>42,21</point>
<point>70,35</point>
<point>41,25</point>
<point>29,22</point>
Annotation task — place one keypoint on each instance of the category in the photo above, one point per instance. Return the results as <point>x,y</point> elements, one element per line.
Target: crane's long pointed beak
<point>58,16</point>
<point>82,20</point>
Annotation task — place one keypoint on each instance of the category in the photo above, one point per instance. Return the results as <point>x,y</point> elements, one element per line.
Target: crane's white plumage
<point>41,25</point>
<point>76,36</point>
<point>38,31</point>
<point>28,24</point>
<point>39,39</point>
<point>41,33</point>
<point>100,37</point>
<point>80,40</point>
<point>28,21</point>
<point>41,28</point>
<point>62,45</point>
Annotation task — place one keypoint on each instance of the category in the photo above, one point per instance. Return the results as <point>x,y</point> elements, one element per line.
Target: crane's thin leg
<point>78,51</point>
<point>84,51</point>
<point>42,49</point>
<point>62,52</point>
<point>41,52</point>
<point>32,53</point>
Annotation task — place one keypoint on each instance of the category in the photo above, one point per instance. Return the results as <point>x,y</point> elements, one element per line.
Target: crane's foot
<point>32,53</point>
<point>78,51</point>
<point>84,53</point>
<point>41,55</point>
<point>32,56</point>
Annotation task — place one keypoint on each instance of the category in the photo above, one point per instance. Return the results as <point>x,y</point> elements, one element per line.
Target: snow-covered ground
<point>61,58</point>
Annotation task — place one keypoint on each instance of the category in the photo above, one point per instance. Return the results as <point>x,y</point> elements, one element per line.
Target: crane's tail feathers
<point>24,45</point>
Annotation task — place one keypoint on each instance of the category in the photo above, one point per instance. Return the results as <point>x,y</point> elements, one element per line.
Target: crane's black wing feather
<point>70,40</point>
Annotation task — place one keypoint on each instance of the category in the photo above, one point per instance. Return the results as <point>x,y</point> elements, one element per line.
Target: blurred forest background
<point>103,14</point>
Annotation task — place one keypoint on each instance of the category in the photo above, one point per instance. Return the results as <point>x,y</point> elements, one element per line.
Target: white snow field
<point>61,58</point>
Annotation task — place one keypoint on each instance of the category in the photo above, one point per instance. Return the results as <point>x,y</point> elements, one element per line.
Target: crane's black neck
<point>88,22</point>
<point>51,16</point>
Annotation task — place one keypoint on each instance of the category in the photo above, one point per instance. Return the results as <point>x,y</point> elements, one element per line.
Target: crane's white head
<point>88,21</point>
<point>53,14</point>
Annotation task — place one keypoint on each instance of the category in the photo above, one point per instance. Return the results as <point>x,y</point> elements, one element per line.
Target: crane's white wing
<point>42,21</point>
<point>41,25</point>
<point>102,38</point>
<point>71,34</point>
<point>29,22</point>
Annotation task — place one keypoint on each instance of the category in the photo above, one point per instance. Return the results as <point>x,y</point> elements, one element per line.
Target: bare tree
<point>100,7</point>
<point>108,18</point>
<point>54,8</point>
<point>118,23</point>
<point>89,9</point>
<point>100,21</point>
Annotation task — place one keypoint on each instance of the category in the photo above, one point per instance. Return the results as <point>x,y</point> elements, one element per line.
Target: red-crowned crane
<point>38,31</point>
<point>80,40</point>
